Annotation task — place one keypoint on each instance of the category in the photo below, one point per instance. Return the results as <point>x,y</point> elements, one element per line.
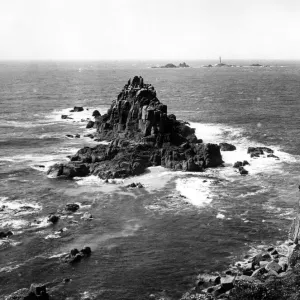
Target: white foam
<point>154,179</point>
<point>15,224</point>
<point>196,190</point>
<point>215,133</point>
<point>19,206</point>
<point>37,161</point>
<point>218,133</point>
<point>220,216</point>
<point>78,117</point>
<point>58,255</point>
<point>55,235</point>
<point>26,124</point>
<point>8,269</point>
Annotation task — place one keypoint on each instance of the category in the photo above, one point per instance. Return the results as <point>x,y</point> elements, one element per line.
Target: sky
<point>156,29</point>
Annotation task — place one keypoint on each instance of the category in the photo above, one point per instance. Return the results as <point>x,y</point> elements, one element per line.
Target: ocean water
<point>157,239</point>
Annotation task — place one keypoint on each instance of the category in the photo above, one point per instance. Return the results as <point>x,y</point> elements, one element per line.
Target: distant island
<point>181,65</point>
<point>221,64</point>
<point>256,65</point>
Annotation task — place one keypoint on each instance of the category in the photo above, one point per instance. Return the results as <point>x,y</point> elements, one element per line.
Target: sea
<point>149,242</point>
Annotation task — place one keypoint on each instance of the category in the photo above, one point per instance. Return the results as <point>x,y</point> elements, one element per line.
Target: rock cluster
<point>142,134</point>
<point>170,65</point>
<point>257,151</point>
<point>76,256</point>
<point>135,185</point>
<point>5,234</point>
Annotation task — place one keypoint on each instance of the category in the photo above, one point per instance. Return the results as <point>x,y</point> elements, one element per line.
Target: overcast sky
<point>153,29</point>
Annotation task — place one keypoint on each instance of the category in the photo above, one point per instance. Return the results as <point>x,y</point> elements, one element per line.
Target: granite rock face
<point>142,134</point>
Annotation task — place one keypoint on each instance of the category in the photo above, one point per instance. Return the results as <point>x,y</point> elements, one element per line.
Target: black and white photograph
<point>149,150</point>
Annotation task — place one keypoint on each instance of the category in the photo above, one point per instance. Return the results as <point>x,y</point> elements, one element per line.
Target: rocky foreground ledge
<point>272,274</point>
<point>142,134</point>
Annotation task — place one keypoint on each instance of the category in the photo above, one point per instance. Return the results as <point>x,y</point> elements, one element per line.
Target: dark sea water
<point>156,239</point>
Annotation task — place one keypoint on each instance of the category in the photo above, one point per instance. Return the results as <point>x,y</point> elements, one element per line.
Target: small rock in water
<point>74,251</point>
<point>245,163</point>
<point>89,135</point>
<point>77,109</point>
<point>77,136</point>
<point>86,251</point>
<point>237,164</point>
<point>227,147</point>
<point>69,135</point>
<point>243,171</point>
<point>53,219</point>
<point>76,256</point>
<point>72,207</point>
<point>135,185</point>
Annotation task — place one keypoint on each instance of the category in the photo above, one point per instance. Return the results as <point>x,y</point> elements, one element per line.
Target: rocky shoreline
<point>272,274</point>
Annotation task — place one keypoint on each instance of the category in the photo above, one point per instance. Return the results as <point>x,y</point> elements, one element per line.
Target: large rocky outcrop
<point>142,134</point>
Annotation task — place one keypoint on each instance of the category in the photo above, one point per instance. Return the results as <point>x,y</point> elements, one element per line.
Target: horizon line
<point>138,59</point>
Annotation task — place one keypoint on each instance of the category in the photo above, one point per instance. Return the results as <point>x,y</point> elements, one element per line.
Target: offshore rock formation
<point>142,134</point>
<point>170,65</point>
